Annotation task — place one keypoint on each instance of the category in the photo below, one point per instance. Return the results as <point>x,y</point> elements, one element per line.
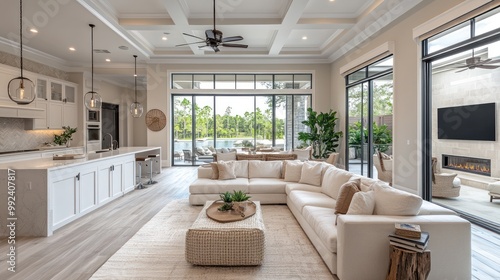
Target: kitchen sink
<point>102,151</point>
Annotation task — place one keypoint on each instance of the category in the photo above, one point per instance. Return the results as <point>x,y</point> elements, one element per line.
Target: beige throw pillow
<point>215,171</point>
<point>226,170</point>
<point>391,201</point>
<point>311,174</point>
<point>293,171</point>
<point>226,156</point>
<point>362,203</point>
<point>344,198</point>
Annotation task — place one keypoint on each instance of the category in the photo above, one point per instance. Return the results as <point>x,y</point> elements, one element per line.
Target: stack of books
<point>410,237</point>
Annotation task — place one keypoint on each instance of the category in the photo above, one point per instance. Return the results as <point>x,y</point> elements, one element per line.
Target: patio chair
<point>188,156</point>
<point>332,158</point>
<point>384,168</point>
<point>444,184</point>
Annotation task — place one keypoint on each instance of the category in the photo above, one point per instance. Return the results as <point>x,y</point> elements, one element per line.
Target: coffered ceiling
<point>276,31</point>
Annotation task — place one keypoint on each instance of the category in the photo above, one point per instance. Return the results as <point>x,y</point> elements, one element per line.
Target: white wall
<point>406,88</point>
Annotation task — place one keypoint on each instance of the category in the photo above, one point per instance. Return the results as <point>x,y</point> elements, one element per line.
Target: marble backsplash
<point>13,137</point>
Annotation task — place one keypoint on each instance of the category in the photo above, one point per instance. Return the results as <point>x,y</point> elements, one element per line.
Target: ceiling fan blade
<point>494,61</point>
<point>210,34</point>
<point>481,62</point>
<point>461,70</point>
<point>488,66</point>
<point>235,45</point>
<point>193,36</point>
<point>232,39</point>
<point>190,44</point>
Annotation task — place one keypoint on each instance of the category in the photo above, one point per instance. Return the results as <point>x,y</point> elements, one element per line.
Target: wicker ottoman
<point>226,244</point>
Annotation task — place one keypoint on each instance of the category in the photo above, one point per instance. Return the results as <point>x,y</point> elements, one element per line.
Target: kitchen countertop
<point>49,163</point>
<point>41,149</point>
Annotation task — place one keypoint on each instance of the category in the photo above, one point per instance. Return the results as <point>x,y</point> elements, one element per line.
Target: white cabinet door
<point>88,196</point>
<point>64,199</point>
<point>103,184</point>
<point>128,176</point>
<point>116,181</point>
<point>41,123</point>
<point>70,117</point>
<point>55,115</point>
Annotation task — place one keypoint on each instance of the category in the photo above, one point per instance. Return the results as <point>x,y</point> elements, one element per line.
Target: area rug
<point>156,251</point>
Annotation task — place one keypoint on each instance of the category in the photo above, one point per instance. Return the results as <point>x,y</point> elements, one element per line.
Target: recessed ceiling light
<point>108,60</point>
<point>304,38</point>
<point>33,30</point>
<point>164,38</point>
<point>332,0</point>
<point>123,48</point>
<point>72,49</point>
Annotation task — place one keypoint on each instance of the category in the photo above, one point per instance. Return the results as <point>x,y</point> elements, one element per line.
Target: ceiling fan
<point>214,39</point>
<point>476,62</point>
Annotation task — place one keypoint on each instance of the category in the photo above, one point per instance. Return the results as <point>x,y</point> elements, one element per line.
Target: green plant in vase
<point>227,198</point>
<point>240,201</point>
<point>65,137</point>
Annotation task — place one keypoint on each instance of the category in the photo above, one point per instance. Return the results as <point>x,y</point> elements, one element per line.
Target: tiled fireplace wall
<point>13,137</point>
<point>464,88</point>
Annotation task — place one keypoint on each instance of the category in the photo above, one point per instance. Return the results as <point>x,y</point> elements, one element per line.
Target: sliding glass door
<point>369,122</point>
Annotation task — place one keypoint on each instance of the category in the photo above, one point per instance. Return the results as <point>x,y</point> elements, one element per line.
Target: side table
<point>408,265</point>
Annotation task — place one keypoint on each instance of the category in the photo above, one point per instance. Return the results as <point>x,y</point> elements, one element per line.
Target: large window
<point>461,71</point>
<point>369,115</point>
<point>236,118</point>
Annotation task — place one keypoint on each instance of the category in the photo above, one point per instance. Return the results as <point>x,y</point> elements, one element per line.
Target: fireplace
<point>467,164</point>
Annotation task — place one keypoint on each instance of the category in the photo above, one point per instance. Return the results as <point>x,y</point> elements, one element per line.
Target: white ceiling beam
<point>291,18</point>
<point>146,23</point>
<point>180,19</point>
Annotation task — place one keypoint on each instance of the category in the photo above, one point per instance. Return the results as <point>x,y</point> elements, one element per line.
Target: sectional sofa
<point>353,245</point>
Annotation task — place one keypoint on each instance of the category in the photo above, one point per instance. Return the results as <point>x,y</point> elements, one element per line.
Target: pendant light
<point>21,89</point>
<point>92,99</point>
<point>136,108</point>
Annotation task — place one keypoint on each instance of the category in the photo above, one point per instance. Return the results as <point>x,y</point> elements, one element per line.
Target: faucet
<point>115,145</point>
<point>110,140</point>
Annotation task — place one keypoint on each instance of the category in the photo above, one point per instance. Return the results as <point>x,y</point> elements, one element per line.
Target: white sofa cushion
<point>241,168</point>
<point>205,172</point>
<point>301,187</point>
<point>429,208</point>
<point>322,219</point>
<point>362,203</point>
<point>266,186</point>
<point>209,186</point>
<point>391,201</point>
<point>311,174</point>
<point>304,198</point>
<point>366,183</point>
<point>293,170</point>
<point>333,179</point>
<point>264,169</point>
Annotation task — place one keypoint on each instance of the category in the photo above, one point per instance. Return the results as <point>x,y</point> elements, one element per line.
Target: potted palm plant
<point>240,201</point>
<point>322,135</point>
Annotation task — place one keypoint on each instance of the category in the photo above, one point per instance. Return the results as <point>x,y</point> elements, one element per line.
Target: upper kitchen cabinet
<point>41,89</point>
<point>56,92</point>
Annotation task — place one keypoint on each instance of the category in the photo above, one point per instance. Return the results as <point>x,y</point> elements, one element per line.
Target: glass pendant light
<point>92,99</point>
<point>136,108</point>
<point>21,89</point>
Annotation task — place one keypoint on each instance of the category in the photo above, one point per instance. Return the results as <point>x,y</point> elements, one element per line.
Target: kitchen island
<point>42,195</point>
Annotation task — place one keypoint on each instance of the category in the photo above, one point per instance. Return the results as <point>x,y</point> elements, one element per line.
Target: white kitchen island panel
<point>52,193</point>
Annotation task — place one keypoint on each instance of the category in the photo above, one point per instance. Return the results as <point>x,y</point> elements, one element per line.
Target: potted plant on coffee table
<point>227,200</point>
<point>240,201</point>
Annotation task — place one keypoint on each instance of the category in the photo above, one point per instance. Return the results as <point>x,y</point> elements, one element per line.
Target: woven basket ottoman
<point>238,243</point>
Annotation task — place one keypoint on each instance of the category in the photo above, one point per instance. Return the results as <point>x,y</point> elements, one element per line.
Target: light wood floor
<point>80,248</point>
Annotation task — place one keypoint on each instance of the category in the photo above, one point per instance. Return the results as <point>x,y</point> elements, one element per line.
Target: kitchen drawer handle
<point>78,177</point>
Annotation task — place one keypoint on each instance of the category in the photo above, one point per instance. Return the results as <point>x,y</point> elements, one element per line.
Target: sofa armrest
<point>205,172</point>
<point>363,245</point>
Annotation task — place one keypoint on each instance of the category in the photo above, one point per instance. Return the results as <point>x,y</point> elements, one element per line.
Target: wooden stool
<point>408,265</point>
<point>140,161</point>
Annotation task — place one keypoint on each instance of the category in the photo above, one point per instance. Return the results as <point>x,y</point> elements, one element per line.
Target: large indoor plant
<point>322,135</point>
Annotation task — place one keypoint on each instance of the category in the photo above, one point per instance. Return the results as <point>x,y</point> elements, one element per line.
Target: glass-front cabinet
<point>56,91</point>
<point>41,89</point>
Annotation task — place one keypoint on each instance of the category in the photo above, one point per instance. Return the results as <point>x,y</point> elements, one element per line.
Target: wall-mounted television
<point>468,122</point>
